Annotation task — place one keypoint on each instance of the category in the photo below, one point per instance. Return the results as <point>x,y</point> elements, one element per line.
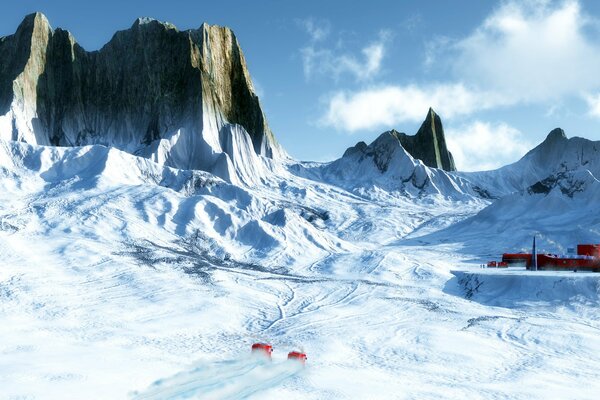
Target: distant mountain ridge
<point>557,157</point>
<point>387,166</point>
<point>181,98</point>
<point>427,145</point>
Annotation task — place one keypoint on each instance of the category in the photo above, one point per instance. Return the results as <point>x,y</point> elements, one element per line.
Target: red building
<point>586,259</point>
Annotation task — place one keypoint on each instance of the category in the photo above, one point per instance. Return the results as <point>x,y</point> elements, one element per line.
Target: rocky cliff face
<point>428,145</point>
<point>182,98</point>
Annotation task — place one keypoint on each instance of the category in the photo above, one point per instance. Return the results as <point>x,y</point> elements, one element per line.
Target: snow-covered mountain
<point>551,192</point>
<point>555,155</point>
<point>151,230</point>
<point>159,279</point>
<point>393,164</point>
<point>192,107</point>
<point>192,204</point>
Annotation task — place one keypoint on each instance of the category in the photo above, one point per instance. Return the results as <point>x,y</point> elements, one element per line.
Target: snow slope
<point>555,198</point>
<point>122,278</point>
<point>555,154</point>
<point>384,168</point>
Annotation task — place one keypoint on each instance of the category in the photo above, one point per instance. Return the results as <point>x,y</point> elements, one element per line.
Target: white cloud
<point>412,22</point>
<point>593,102</point>
<point>534,51</point>
<point>317,29</point>
<point>333,62</point>
<point>384,107</point>
<point>527,52</point>
<point>433,48</point>
<point>481,146</point>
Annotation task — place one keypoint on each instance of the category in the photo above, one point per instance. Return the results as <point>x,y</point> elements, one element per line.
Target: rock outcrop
<point>385,166</point>
<point>176,97</point>
<point>429,144</point>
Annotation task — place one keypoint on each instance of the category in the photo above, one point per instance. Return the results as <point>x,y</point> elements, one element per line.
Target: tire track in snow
<point>234,379</point>
<point>291,320</point>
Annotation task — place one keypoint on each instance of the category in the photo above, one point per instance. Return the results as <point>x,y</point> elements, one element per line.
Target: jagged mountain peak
<point>431,115</point>
<point>555,157</point>
<point>36,19</point>
<point>358,147</point>
<point>173,96</point>
<point>552,147</point>
<point>386,164</point>
<point>555,138</point>
<point>427,145</point>
<point>380,150</point>
<point>557,148</point>
<point>556,134</point>
<point>145,22</point>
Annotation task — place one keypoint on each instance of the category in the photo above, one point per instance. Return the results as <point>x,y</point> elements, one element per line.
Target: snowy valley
<point>146,266</point>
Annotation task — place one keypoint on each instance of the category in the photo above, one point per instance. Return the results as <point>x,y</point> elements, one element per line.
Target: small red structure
<point>592,250</point>
<point>262,348</point>
<point>497,264</point>
<point>517,258</point>
<point>296,355</point>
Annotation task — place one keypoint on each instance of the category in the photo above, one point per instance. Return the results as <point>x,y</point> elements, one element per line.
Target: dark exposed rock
<point>429,144</point>
<point>359,147</point>
<point>565,181</point>
<point>556,134</point>
<point>148,83</point>
<point>380,151</point>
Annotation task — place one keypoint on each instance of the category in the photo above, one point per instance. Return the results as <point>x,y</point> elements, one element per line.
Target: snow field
<point>159,287</point>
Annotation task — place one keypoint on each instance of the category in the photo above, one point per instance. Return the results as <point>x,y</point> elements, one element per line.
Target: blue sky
<point>501,74</point>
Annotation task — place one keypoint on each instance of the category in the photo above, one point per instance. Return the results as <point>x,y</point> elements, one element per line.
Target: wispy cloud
<point>433,48</point>
<point>319,59</point>
<point>526,52</point>
<point>317,29</point>
<point>593,102</point>
<point>412,22</point>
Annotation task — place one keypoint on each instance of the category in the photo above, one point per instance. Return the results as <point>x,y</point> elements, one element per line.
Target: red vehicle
<point>262,348</point>
<point>296,355</point>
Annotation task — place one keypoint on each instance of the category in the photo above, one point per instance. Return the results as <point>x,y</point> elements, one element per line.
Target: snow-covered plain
<point>123,278</point>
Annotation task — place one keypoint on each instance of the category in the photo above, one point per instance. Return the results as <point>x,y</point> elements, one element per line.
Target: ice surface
<point>123,278</point>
